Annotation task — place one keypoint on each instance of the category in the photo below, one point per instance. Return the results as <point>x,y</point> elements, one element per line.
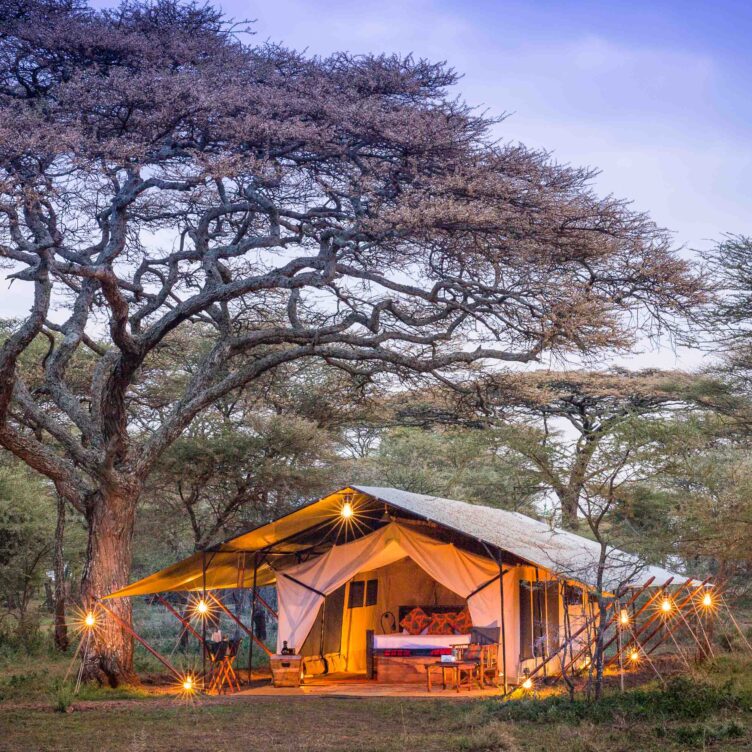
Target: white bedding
<point>418,642</point>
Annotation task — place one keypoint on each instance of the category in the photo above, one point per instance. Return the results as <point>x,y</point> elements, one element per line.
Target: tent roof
<point>567,554</point>
<point>572,556</point>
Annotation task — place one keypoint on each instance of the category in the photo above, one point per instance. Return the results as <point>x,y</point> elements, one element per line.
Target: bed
<point>400,657</point>
<point>418,643</point>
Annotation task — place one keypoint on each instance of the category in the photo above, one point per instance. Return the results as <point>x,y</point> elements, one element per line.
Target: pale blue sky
<point>655,94</point>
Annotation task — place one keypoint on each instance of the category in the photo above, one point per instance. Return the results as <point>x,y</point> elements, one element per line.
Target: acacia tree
<point>159,172</point>
<point>452,463</point>
<point>592,408</point>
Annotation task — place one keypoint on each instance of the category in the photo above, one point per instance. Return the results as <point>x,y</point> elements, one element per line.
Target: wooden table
<point>455,669</point>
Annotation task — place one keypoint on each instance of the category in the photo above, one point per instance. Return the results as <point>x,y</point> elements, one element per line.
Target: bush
<point>492,737</point>
<point>700,735</point>
<point>682,698</point>
<point>25,637</point>
<point>62,696</point>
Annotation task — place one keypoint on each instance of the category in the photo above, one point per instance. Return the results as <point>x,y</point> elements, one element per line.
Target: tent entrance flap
<point>302,589</point>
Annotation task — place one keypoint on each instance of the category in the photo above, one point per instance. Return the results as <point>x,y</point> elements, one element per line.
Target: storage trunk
<point>286,669</point>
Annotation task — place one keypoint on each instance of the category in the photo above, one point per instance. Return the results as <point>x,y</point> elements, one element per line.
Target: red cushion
<point>462,622</point>
<point>442,624</point>
<point>415,621</point>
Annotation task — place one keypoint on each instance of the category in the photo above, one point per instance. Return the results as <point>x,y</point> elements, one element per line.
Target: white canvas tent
<point>413,546</point>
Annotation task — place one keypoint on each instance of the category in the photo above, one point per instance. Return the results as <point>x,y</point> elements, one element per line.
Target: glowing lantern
<point>666,606</point>
<point>347,510</point>
<point>202,607</point>
<point>707,600</point>
<point>624,617</point>
<point>634,656</point>
<point>90,621</point>
<point>188,684</point>
<point>527,684</point>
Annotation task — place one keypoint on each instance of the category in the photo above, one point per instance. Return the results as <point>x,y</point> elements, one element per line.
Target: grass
<point>710,710</point>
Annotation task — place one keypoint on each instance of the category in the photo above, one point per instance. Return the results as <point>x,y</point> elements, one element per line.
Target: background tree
<point>700,502</point>
<point>157,172</point>
<point>223,476</point>
<point>468,464</point>
<point>26,521</point>
<point>564,423</point>
<point>60,584</point>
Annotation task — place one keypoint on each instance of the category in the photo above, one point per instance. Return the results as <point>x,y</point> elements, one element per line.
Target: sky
<point>654,94</point>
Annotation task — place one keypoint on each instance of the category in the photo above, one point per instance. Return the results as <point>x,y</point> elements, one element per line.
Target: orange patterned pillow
<point>442,624</point>
<point>415,621</point>
<point>462,622</point>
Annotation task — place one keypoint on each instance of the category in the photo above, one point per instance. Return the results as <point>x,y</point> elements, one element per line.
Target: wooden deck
<point>357,686</point>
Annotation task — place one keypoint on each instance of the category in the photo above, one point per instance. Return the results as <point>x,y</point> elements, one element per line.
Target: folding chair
<point>222,674</point>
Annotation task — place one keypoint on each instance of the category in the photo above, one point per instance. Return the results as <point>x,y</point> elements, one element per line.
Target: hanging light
<point>624,617</point>
<point>89,620</point>
<point>202,607</point>
<point>666,605</point>
<point>707,600</point>
<point>634,656</point>
<point>346,511</point>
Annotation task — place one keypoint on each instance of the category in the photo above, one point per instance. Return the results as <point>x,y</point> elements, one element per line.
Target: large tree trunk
<point>109,658</point>
<point>61,628</point>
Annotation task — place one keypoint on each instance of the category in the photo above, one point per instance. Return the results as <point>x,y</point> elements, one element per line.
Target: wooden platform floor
<point>355,686</point>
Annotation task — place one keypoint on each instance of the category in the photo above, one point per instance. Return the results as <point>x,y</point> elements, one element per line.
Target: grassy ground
<point>712,709</point>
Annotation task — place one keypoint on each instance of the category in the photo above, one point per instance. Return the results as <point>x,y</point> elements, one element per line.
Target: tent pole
<point>323,627</point>
<point>242,626</point>
<point>127,627</point>
<point>253,619</point>
<point>499,559</point>
<point>203,619</point>
<point>186,624</point>
<point>503,624</point>
<point>540,633</point>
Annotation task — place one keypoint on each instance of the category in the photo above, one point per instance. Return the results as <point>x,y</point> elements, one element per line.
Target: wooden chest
<point>286,669</point>
<point>402,670</point>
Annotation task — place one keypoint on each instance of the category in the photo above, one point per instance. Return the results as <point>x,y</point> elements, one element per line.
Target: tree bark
<point>569,506</point>
<point>109,655</point>
<point>61,628</point>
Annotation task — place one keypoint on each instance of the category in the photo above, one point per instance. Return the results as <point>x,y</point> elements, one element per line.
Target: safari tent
<point>382,582</point>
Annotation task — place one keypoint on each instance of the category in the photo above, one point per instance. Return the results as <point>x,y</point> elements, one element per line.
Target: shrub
<point>682,698</point>
<point>700,735</point>
<point>62,696</point>
<point>492,737</point>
